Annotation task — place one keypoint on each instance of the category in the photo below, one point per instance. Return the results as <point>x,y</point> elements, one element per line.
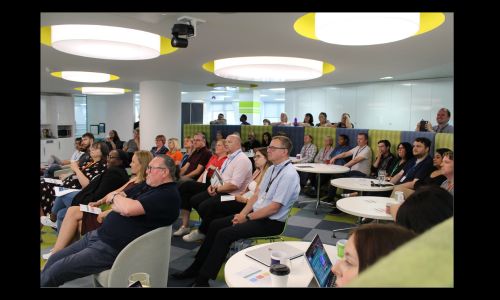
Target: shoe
<point>366,220</point>
<point>47,255</point>
<point>47,222</point>
<point>194,236</point>
<point>185,274</point>
<point>182,231</point>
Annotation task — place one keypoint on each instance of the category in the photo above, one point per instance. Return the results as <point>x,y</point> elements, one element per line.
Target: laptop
<point>263,254</point>
<point>320,264</point>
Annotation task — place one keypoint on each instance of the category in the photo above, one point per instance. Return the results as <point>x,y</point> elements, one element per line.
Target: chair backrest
<point>149,253</point>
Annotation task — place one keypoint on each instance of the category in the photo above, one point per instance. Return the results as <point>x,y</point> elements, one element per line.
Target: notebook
<point>319,263</point>
<point>263,254</point>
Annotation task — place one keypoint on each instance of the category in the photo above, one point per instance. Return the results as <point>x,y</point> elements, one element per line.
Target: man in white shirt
<point>361,157</point>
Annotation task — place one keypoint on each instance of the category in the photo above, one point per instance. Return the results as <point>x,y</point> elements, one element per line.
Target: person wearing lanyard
<point>307,155</point>
<point>236,174</point>
<point>265,214</point>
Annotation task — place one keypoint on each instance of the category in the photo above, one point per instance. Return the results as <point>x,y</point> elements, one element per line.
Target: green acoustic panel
<point>374,135</point>
<point>319,134</point>
<point>443,140</point>
<point>249,107</point>
<point>257,129</point>
<point>191,129</point>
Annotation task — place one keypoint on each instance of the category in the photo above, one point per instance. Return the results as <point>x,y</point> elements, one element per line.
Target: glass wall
<point>80,115</point>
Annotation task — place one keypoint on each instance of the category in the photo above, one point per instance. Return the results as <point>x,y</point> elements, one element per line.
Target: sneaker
<point>47,255</point>
<point>47,222</point>
<point>194,236</point>
<point>182,231</point>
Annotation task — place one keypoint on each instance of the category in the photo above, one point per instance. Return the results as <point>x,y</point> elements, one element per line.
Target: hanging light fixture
<point>79,76</point>
<point>365,28</point>
<point>268,68</point>
<point>105,42</point>
<point>94,90</point>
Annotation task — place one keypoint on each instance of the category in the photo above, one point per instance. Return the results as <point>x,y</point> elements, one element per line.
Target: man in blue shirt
<point>417,168</point>
<point>264,215</point>
<point>143,208</point>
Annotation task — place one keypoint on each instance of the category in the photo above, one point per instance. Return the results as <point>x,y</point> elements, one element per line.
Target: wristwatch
<point>113,198</point>
<point>247,217</point>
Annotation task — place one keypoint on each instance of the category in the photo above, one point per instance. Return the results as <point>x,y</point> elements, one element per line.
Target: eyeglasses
<point>274,148</point>
<point>151,167</point>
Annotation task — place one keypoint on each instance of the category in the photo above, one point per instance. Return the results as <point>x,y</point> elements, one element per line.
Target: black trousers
<point>221,234</point>
<point>212,208</point>
<point>188,189</point>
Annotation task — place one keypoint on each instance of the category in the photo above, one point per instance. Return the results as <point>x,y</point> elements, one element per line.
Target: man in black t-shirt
<point>417,168</point>
<point>143,208</point>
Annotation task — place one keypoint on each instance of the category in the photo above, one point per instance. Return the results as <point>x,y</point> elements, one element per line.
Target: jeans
<point>61,205</point>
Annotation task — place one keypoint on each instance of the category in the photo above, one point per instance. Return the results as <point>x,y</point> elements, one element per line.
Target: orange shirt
<point>177,156</point>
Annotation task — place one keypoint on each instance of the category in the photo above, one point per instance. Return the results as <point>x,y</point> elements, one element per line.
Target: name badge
<point>402,179</point>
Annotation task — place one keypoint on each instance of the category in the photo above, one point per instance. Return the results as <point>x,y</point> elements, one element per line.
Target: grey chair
<point>149,253</point>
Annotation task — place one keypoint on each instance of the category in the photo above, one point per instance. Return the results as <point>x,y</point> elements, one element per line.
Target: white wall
<point>396,105</point>
<point>116,111</point>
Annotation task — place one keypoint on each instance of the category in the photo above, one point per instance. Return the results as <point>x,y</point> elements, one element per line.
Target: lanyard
<point>272,179</point>
<point>359,150</point>
<point>324,152</point>
<point>441,129</point>
<point>230,160</point>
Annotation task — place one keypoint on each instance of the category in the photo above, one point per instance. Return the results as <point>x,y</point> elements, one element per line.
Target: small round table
<point>319,169</point>
<point>300,275</point>
<point>361,184</point>
<point>372,207</point>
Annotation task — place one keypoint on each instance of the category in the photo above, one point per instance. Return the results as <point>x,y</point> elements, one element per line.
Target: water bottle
<point>295,122</point>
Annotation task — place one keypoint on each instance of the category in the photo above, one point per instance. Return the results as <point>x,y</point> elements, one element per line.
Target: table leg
<point>319,189</point>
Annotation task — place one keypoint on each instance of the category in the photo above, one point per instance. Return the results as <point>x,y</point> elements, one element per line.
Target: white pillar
<point>160,111</point>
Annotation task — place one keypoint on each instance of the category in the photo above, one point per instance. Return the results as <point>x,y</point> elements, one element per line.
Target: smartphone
<point>136,284</point>
<point>422,125</point>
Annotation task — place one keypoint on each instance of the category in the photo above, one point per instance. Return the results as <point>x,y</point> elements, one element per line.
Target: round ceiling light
<point>365,28</point>
<point>268,68</point>
<point>94,90</point>
<point>105,42</point>
<point>78,76</point>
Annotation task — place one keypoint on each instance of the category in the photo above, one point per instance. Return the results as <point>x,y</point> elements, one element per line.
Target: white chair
<point>149,253</point>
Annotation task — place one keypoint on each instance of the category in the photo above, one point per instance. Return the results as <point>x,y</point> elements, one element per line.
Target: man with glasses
<point>264,214</point>
<point>196,163</point>
<point>236,174</point>
<point>145,207</point>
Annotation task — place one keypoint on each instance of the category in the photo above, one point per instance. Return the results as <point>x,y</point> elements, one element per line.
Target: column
<point>160,111</point>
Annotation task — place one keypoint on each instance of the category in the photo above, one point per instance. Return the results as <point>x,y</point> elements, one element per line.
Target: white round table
<point>366,207</point>
<point>319,169</point>
<point>300,274</point>
<point>361,184</point>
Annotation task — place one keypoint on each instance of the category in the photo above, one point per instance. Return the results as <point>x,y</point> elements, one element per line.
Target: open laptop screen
<point>320,263</point>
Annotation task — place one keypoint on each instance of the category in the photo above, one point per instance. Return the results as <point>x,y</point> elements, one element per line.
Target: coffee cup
<point>278,257</point>
<point>279,275</point>
<point>340,248</point>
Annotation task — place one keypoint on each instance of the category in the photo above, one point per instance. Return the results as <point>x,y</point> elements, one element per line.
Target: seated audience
<point>283,120</point>
<point>264,215</point>
<point>143,208</point>
<point>436,177</point>
<point>197,160</point>
<point>55,163</point>
<point>251,143</point>
<point>188,146</point>
<point>113,141</point>
<point>307,154</point>
<point>405,153</point>
<point>188,189</point>
<point>266,139</point>
<point>345,122</point>
<point>366,245</point>
<point>323,122</point>
<point>236,174</point>
<point>218,136</point>
<point>308,121</point>
<point>266,122</point>
<point>133,144</point>
<point>174,150</point>
<point>448,171</point>
<point>384,158</point>
<point>160,147</point>
<point>323,156</point>
<point>243,120</point>
<point>74,222</point>
<point>427,207</point>
<point>114,177</point>
<point>220,120</point>
<point>442,118</point>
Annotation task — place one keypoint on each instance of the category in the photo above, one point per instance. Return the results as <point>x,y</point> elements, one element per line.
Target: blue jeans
<point>61,205</point>
<point>88,256</point>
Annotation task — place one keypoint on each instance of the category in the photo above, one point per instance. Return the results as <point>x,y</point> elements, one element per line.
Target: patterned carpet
<point>302,225</point>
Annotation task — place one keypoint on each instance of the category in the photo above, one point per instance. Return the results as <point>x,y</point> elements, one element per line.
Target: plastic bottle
<point>295,122</point>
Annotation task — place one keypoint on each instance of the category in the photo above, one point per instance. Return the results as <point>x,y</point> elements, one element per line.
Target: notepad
<point>90,209</point>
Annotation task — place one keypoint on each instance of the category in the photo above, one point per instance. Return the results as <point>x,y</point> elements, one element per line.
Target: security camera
<point>187,30</point>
